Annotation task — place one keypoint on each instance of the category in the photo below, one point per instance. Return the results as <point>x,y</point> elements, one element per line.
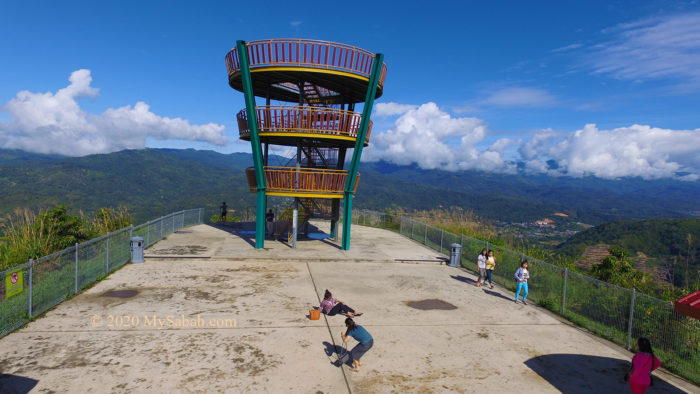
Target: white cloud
<point>520,97</point>
<point>295,24</point>
<point>634,151</point>
<point>55,123</point>
<point>537,145</point>
<point>567,48</point>
<point>383,110</point>
<point>433,139</point>
<point>658,47</point>
<point>502,144</point>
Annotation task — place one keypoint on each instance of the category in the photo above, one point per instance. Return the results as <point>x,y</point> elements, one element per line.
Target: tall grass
<point>107,220</point>
<point>26,235</point>
<point>459,221</point>
<point>29,235</point>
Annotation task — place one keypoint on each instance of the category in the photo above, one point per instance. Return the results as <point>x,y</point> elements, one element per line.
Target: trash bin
<point>455,255</point>
<point>137,249</point>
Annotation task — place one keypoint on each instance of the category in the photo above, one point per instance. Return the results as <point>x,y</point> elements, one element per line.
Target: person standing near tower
<point>224,210</point>
<point>270,222</point>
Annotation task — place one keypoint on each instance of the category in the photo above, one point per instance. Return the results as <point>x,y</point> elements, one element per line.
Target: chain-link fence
<point>49,280</point>
<point>612,312</point>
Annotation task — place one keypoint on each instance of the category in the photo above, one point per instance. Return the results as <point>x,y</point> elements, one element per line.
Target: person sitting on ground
<point>360,335</point>
<point>332,306</point>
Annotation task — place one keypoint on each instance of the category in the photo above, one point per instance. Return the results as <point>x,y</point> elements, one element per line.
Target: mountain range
<point>153,182</point>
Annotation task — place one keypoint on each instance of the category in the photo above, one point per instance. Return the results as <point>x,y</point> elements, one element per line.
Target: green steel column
<point>359,144</point>
<point>254,143</point>
<point>335,212</point>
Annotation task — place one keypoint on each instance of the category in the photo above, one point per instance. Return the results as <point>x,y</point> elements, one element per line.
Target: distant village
<point>556,227</point>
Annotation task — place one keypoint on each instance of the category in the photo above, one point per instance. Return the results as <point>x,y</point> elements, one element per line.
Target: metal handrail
<point>303,119</point>
<point>306,53</point>
<point>302,180</point>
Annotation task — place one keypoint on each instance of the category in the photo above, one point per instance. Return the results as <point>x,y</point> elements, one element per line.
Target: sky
<point>597,88</point>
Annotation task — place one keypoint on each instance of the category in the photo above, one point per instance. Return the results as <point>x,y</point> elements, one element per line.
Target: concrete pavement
<point>207,312</point>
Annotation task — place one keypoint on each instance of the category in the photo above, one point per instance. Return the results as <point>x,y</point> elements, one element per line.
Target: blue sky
<point>604,88</point>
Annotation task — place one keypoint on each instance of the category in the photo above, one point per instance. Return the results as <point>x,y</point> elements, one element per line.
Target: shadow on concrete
<point>243,230</point>
<point>331,243</point>
<point>463,279</point>
<point>499,295</point>
<point>580,373</point>
<point>14,384</point>
<point>246,232</point>
<point>337,354</point>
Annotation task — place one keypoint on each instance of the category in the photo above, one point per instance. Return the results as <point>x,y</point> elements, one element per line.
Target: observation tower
<point>318,84</point>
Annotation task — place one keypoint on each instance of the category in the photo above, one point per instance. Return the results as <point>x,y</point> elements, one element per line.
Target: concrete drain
<point>425,305</point>
<point>121,293</point>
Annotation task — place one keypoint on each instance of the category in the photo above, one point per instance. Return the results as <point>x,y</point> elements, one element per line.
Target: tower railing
<point>306,53</point>
<point>302,181</point>
<point>303,119</point>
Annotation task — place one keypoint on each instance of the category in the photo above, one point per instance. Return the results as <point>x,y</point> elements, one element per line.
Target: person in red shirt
<point>643,363</point>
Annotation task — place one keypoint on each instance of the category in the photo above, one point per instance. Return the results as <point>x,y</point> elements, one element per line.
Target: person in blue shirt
<point>360,335</point>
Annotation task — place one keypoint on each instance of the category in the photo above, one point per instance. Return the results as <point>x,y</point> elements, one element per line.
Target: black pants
<point>340,308</point>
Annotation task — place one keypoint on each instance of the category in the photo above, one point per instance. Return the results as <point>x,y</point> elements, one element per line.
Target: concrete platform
<point>207,313</point>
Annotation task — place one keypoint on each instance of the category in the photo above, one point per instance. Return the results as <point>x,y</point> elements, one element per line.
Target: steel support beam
<point>254,144</point>
<point>359,144</point>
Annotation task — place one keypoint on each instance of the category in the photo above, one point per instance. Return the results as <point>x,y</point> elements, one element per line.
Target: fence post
<point>148,232</point>
<point>412,225</point>
<point>629,325</point>
<point>31,269</point>
<point>76,267</point>
<point>161,228</point>
<point>442,235</point>
<point>108,238</point>
<point>487,245</point>
<point>199,216</point>
<point>563,296</point>
<point>173,223</point>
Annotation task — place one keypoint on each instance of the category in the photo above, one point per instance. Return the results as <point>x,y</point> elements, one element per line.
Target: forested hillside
<point>672,245</point>
<point>153,182</point>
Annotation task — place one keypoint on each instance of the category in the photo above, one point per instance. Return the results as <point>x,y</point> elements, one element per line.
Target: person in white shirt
<point>521,276</point>
<point>481,266</point>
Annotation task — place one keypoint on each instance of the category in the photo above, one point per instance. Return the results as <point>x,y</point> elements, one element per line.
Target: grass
<point>54,276</point>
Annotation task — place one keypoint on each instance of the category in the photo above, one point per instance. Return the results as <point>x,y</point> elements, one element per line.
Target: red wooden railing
<point>303,180</point>
<point>306,53</point>
<point>295,119</point>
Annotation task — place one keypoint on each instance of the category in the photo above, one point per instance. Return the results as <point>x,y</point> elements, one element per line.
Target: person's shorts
<point>360,349</point>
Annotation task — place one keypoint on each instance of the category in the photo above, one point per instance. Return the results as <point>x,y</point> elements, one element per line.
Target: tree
<point>67,229</point>
<point>615,269</point>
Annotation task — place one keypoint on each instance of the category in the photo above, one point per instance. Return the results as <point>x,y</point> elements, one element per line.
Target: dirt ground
<point>207,313</point>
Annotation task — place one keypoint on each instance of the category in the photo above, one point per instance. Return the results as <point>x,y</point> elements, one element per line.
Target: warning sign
<point>13,283</point>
